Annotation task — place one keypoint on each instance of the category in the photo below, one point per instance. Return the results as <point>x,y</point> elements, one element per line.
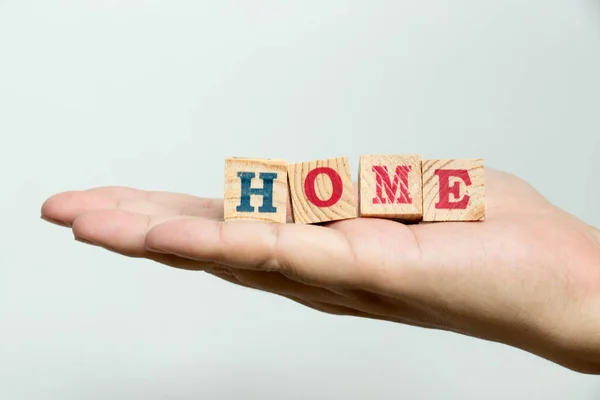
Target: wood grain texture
<point>453,190</point>
<point>390,187</point>
<point>256,208</point>
<point>321,191</point>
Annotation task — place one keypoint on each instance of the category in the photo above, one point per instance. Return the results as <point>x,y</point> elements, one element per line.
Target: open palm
<point>527,276</point>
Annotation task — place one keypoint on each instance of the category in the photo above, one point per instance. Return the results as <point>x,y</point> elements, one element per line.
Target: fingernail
<point>155,250</point>
<point>53,221</point>
<point>78,239</point>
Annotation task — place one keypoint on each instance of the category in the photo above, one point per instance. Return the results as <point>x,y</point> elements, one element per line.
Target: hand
<point>528,276</point>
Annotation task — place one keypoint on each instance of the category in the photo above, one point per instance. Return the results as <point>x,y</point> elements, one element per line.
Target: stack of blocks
<point>398,187</point>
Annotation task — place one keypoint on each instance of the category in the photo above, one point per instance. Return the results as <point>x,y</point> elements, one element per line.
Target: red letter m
<point>396,192</point>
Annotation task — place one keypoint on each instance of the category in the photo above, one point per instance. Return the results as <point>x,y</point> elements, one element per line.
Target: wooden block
<point>390,187</point>
<point>453,190</point>
<point>256,189</point>
<point>321,191</point>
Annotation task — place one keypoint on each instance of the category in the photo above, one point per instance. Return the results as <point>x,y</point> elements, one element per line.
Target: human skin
<point>528,276</point>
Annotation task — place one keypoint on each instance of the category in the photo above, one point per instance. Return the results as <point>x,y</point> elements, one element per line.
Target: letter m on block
<point>392,190</point>
<point>248,191</point>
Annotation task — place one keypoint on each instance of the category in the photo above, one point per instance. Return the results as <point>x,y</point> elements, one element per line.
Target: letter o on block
<point>310,190</point>
<point>321,191</point>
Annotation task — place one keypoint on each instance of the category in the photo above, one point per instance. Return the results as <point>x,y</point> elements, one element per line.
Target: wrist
<point>596,234</point>
<point>586,341</point>
<point>571,339</point>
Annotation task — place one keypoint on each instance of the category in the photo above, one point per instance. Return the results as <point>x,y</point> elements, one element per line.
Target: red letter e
<point>446,190</point>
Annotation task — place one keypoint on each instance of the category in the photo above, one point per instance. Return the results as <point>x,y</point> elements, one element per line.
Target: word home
<point>398,187</point>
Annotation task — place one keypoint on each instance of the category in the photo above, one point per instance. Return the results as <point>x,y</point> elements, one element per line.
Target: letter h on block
<point>390,187</point>
<point>255,189</point>
<point>453,190</point>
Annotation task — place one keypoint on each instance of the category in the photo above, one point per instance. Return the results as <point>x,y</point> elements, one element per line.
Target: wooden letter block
<point>390,187</point>
<point>256,189</point>
<point>321,191</point>
<point>453,190</point>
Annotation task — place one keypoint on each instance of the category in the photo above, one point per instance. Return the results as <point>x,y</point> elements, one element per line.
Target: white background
<point>155,94</point>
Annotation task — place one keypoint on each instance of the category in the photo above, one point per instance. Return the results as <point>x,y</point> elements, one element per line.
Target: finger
<point>357,303</point>
<point>360,301</point>
<point>325,308</point>
<point>124,233</point>
<point>309,254</point>
<point>228,275</point>
<point>336,309</point>
<point>314,304</point>
<point>330,308</point>
<point>275,282</point>
<point>64,207</point>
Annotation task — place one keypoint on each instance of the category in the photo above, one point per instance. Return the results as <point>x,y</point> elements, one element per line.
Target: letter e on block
<point>255,189</point>
<point>321,191</point>
<point>390,187</point>
<point>453,190</point>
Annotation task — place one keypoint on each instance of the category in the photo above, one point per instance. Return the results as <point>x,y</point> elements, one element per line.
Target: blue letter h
<point>266,192</point>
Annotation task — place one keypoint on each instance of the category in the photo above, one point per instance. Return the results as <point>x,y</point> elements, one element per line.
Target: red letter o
<point>336,182</point>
